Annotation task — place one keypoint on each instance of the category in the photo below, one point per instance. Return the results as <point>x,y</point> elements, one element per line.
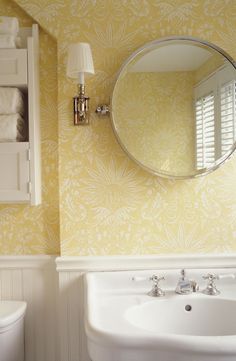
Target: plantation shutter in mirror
<point>228,112</point>
<point>205,129</point>
<point>215,116</point>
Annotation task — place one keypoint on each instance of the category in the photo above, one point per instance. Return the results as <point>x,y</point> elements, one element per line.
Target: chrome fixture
<point>156,291</point>
<point>186,286</point>
<point>103,109</point>
<point>194,285</point>
<point>80,62</point>
<point>211,289</point>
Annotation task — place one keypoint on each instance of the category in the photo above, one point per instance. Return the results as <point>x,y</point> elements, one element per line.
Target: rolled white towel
<point>11,101</point>
<point>7,41</point>
<point>9,25</point>
<point>12,128</point>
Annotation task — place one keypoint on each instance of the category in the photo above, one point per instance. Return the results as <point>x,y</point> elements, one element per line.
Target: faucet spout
<point>185,286</point>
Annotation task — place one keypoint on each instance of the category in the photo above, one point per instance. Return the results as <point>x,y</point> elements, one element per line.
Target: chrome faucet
<point>211,289</point>
<point>156,291</point>
<point>186,286</point>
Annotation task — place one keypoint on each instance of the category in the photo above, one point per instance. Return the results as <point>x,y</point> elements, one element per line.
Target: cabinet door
<point>13,67</point>
<point>14,172</point>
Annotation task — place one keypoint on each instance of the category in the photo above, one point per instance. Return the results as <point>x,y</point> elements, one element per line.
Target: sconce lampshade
<point>80,61</point>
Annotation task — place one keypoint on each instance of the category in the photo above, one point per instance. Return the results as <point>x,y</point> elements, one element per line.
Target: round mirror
<point>174,107</point>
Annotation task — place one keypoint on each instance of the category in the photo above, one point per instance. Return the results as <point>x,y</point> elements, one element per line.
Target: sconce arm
<point>103,110</point>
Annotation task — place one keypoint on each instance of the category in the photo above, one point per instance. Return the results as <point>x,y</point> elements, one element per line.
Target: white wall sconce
<point>80,62</point>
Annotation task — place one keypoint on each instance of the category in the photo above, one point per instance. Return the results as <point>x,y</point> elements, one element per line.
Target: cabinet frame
<point>28,154</point>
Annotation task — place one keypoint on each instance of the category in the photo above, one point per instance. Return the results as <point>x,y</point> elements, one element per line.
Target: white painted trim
<point>37,261</point>
<point>108,263</point>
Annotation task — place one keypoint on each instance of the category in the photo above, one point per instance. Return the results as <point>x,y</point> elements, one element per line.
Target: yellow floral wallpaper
<point>156,125</point>
<point>35,230</point>
<point>108,205</point>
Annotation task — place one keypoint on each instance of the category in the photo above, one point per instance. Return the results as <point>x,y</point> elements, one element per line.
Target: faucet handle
<point>226,275</point>
<point>210,277</point>
<point>156,279</point>
<point>139,278</point>
<point>156,291</point>
<point>211,287</point>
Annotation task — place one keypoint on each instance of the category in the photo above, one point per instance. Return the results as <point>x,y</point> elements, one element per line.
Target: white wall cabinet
<point>20,163</point>
<point>14,181</point>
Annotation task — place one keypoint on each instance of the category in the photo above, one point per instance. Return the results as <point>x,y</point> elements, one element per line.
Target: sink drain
<point>188,308</point>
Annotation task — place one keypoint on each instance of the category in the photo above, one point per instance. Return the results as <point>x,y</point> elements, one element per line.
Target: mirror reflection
<point>174,106</point>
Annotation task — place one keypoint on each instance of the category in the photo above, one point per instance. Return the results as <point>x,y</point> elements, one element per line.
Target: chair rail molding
<point>109,263</point>
<point>31,261</point>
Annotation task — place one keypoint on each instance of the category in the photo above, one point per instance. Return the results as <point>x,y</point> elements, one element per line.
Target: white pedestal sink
<point>123,323</point>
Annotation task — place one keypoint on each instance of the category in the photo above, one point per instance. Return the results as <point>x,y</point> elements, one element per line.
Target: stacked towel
<point>13,128</point>
<point>9,28</point>
<point>9,25</point>
<point>7,41</point>
<point>11,101</point>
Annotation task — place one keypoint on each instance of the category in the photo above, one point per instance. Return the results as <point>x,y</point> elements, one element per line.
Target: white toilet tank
<point>12,330</point>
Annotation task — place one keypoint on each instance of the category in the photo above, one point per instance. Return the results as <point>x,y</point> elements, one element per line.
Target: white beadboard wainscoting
<point>71,311</point>
<point>71,306</point>
<point>34,279</point>
<point>53,290</point>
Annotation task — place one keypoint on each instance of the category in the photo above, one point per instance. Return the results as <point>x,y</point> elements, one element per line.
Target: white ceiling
<point>172,57</point>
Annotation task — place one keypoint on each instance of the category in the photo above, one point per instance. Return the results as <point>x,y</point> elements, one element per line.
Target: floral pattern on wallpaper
<point>108,204</point>
<point>35,230</point>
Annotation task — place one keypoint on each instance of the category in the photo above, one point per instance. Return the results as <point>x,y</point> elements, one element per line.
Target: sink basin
<point>194,316</point>
<point>123,323</point>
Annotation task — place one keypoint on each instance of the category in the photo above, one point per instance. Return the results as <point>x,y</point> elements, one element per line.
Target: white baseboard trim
<point>115,263</point>
<point>34,261</point>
